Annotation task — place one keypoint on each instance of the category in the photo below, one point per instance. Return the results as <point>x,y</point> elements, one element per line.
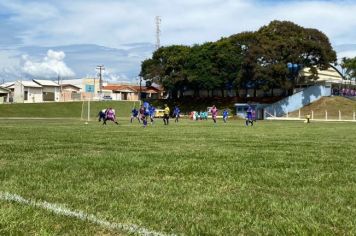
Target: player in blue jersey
<point>249,118</point>
<point>225,115</point>
<point>134,115</point>
<point>152,113</point>
<point>176,114</point>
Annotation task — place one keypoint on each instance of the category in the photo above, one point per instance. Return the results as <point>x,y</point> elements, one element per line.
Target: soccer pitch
<point>191,178</point>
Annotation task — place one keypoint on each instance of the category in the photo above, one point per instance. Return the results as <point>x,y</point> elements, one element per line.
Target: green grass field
<point>191,178</point>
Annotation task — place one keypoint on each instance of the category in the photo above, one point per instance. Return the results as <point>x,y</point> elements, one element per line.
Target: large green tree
<point>167,67</point>
<point>283,42</point>
<point>256,60</point>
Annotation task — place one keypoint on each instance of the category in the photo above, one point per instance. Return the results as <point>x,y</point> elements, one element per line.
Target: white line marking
<point>61,210</point>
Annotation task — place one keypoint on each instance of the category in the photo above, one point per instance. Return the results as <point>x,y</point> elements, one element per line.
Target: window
<point>26,95</point>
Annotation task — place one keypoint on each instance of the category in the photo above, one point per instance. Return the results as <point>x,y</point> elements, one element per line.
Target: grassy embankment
<point>64,110</point>
<point>330,104</point>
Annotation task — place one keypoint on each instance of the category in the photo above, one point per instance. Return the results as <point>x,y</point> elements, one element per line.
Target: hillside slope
<point>330,104</point>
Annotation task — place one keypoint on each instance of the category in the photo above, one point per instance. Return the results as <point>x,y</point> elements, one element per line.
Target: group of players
<point>148,112</point>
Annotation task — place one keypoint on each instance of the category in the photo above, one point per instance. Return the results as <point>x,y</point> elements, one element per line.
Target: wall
<point>54,90</point>
<point>34,95</point>
<point>18,92</point>
<point>298,100</point>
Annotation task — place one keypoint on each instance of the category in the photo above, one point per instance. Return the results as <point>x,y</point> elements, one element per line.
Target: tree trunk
<point>254,92</point>
<point>223,92</point>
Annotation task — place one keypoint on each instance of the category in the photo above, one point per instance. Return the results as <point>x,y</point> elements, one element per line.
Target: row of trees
<point>265,59</point>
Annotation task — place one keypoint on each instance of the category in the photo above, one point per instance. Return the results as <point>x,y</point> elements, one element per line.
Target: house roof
<point>4,90</point>
<point>46,83</point>
<point>7,84</point>
<point>31,84</point>
<point>70,85</point>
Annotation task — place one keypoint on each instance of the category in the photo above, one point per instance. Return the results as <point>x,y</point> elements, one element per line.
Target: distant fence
<point>320,115</point>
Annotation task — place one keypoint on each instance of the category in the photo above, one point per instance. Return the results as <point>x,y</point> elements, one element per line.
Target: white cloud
<point>112,23</point>
<point>51,66</point>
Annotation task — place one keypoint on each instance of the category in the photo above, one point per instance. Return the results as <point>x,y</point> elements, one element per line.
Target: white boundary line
<point>80,215</point>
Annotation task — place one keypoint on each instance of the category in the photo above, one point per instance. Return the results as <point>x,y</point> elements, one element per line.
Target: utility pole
<point>158,32</point>
<point>101,68</point>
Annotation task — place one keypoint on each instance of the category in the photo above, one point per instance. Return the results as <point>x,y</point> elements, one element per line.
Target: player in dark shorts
<point>152,113</point>
<point>249,118</point>
<point>176,114</point>
<point>166,114</point>
<point>110,115</point>
<point>134,115</point>
<point>102,115</point>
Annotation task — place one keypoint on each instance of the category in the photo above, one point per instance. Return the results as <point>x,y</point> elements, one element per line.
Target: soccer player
<point>176,114</point>
<point>214,113</point>
<point>110,115</point>
<point>225,115</point>
<point>144,117</point>
<point>206,115</point>
<point>166,114</point>
<point>141,112</point>
<point>152,113</point>
<point>249,119</point>
<point>102,115</point>
<point>134,115</point>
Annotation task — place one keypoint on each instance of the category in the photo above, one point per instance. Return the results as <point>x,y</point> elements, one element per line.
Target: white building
<point>4,94</point>
<point>50,90</point>
<point>27,92</point>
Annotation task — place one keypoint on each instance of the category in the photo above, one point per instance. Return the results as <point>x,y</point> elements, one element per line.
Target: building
<point>9,86</point>
<point>326,77</point>
<point>131,92</point>
<point>4,95</point>
<point>70,92</point>
<point>27,92</point>
<point>75,90</point>
<point>50,90</point>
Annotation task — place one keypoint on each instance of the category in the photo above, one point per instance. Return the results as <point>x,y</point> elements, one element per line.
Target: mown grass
<point>191,178</point>
<point>64,109</point>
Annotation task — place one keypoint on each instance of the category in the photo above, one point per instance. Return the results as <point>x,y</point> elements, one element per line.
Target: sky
<point>34,33</point>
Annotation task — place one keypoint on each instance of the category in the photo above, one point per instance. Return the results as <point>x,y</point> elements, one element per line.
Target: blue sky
<point>114,23</point>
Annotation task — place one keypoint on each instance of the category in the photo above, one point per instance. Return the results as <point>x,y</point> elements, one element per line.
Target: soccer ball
<point>86,123</point>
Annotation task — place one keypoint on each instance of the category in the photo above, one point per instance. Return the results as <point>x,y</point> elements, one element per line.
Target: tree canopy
<point>349,65</point>
<point>246,60</point>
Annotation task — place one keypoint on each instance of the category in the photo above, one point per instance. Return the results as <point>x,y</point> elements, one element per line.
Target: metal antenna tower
<point>158,32</point>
